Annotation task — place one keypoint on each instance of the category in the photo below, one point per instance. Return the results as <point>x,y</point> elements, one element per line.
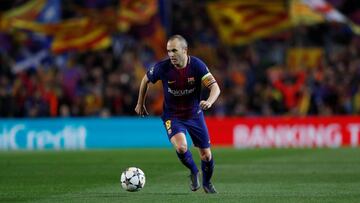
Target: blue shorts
<point>196,127</point>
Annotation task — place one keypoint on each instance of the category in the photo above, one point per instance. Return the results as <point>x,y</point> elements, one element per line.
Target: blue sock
<point>188,161</point>
<point>207,168</point>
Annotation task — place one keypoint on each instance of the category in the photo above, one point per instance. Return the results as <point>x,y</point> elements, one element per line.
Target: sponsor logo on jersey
<point>180,92</point>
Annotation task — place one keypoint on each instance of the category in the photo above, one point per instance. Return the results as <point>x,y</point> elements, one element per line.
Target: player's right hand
<point>205,105</point>
<point>141,110</point>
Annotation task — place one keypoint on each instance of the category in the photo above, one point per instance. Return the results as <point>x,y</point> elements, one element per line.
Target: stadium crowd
<point>255,78</point>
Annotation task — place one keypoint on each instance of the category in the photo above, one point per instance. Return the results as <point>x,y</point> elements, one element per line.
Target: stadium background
<point>80,59</point>
<point>69,75</point>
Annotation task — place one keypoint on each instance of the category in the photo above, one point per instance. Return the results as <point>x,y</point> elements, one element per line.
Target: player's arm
<point>209,81</point>
<point>140,108</point>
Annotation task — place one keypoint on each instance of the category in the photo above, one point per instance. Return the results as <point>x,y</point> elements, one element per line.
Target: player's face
<point>177,53</point>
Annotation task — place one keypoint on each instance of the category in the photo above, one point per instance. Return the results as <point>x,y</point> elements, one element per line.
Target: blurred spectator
<point>290,85</point>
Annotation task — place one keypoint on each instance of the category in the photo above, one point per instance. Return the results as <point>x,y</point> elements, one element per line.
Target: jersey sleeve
<point>204,73</point>
<point>202,68</point>
<point>154,73</point>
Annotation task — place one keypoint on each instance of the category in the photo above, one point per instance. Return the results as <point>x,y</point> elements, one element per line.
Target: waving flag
<point>32,16</point>
<point>80,35</point>
<point>135,12</point>
<point>28,11</point>
<point>303,14</point>
<point>154,35</point>
<point>304,57</point>
<point>241,22</point>
<point>30,61</point>
<point>145,20</point>
<point>324,8</point>
<point>330,13</point>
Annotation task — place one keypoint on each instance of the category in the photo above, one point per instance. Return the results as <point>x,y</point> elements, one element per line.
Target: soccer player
<point>182,77</point>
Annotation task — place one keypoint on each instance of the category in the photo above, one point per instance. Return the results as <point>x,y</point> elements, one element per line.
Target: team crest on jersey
<point>191,80</point>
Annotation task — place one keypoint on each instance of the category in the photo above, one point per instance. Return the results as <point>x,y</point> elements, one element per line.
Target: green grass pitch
<point>251,175</point>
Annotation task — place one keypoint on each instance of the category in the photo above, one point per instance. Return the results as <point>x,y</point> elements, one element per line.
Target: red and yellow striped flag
<point>28,11</point>
<point>85,40</point>
<point>303,58</point>
<point>78,34</point>
<point>135,12</point>
<point>242,22</point>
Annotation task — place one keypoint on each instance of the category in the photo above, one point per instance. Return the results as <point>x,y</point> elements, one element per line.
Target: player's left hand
<point>205,105</point>
<point>141,110</point>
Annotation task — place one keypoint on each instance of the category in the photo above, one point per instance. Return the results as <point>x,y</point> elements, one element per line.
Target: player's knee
<point>182,148</point>
<point>206,156</point>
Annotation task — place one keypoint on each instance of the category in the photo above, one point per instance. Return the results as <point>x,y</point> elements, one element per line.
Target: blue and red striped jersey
<point>182,87</point>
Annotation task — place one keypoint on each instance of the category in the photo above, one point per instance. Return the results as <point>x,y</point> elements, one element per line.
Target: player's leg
<point>207,167</point>
<point>182,151</point>
<point>200,137</point>
<point>185,156</point>
<point>176,132</point>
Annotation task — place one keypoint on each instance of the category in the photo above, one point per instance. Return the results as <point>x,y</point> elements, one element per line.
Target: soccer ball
<point>132,179</point>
